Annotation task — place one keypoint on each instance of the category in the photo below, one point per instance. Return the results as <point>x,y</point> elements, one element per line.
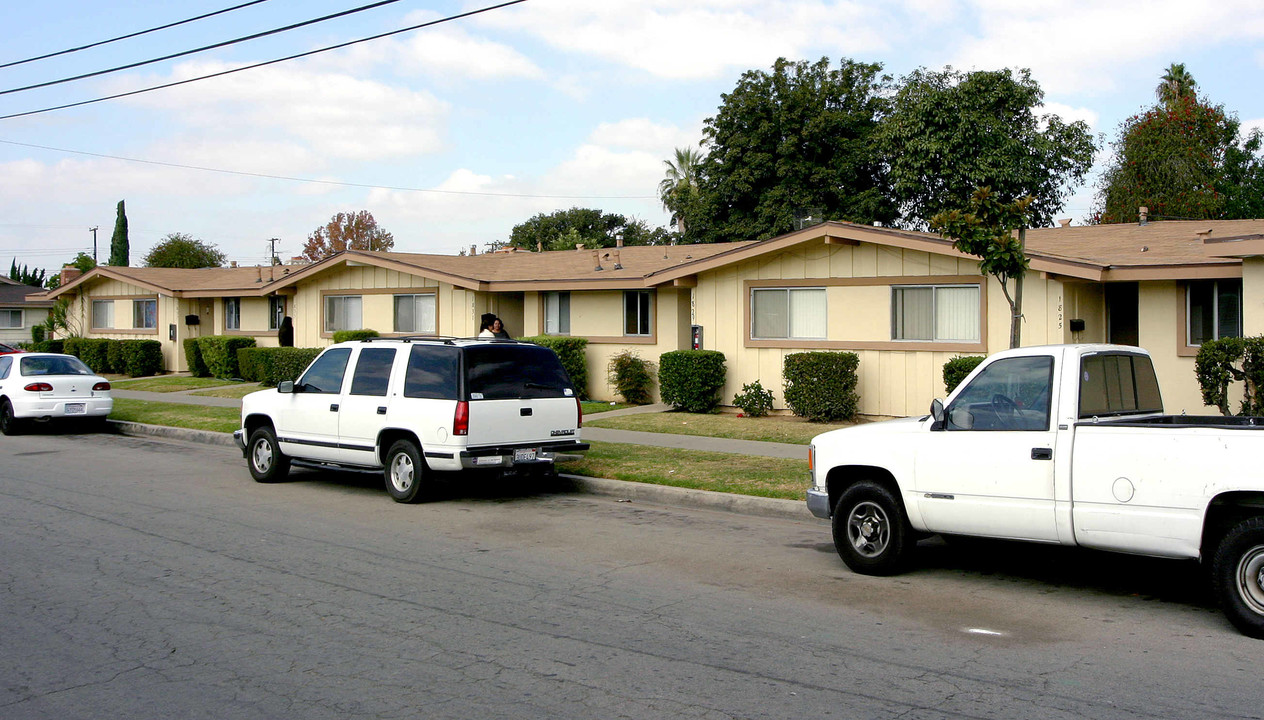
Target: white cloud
<point>1070,114</point>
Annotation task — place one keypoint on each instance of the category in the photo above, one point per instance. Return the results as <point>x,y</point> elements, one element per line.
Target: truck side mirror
<point>285,386</point>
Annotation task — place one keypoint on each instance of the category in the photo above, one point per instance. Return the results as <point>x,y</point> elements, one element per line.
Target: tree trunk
<point>1016,319</point>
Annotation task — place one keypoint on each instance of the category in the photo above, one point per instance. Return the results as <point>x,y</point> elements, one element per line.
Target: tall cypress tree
<point>119,251</point>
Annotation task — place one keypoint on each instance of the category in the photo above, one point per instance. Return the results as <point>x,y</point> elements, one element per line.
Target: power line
<point>204,48</point>
<point>329,182</point>
<point>132,35</point>
<point>269,62</point>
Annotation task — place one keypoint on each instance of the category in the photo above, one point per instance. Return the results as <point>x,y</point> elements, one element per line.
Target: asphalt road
<point>147,578</point>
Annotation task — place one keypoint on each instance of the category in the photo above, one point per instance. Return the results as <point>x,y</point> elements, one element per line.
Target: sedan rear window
<point>53,365</point>
<point>502,372</point>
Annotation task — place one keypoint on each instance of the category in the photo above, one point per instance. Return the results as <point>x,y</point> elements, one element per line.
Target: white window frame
<point>108,307</point>
<point>936,335</point>
<point>333,313</point>
<point>418,314</point>
<point>232,313</point>
<point>557,313</point>
<point>139,311</point>
<point>1215,311</point>
<point>11,313</point>
<point>644,323</point>
<point>790,293</point>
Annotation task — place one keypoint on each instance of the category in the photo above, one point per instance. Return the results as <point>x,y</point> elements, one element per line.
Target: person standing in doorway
<point>285,336</point>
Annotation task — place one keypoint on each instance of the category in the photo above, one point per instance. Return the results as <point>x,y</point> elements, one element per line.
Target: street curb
<point>622,489</point>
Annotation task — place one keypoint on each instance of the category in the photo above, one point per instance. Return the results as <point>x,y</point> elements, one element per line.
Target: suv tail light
<point>101,387</point>
<point>579,413</point>
<point>38,387</point>
<point>461,420</point>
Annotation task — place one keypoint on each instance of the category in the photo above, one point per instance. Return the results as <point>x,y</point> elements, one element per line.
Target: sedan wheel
<point>9,425</point>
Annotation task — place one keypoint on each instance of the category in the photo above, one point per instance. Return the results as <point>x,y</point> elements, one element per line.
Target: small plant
<point>753,400</point>
<point>341,336</point>
<point>632,377</point>
<point>956,370</point>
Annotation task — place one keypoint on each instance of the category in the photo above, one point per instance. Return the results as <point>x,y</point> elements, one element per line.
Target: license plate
<point>75,409</point>
<point>524,455</point>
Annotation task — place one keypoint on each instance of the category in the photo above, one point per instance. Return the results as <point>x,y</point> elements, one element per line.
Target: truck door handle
<point>333,407</point>
<point>1042,453</point>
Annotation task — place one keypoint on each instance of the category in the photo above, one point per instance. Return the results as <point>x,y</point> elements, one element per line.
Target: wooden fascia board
<point>101,271</point>
<point>1216,271</point>
<point>630,283</point>
<point>1241,248</point>
<point>352,256</point>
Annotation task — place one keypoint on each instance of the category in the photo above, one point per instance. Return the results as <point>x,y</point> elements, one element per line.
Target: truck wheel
<point>264,457</point>
<point>871,533</point>
<point>1238,572</point>
<point>9,425</point>
<point>405,473</point>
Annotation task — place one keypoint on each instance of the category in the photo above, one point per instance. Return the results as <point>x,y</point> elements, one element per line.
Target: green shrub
<point>92,351</point>
<point>632,377</point>
<point>140,357</point>
<point>37,334</point>
<point>691,380</point>
<point>350,335</point>
<point>114,356</point>
<point>219,352</point>
<point>821,386</point>
<point>956,370</point>
<point>51,346</point>
<point>1222,362</point>
<point>571,351</point>
<point>271,365</point>
<point>754,400</point>
<point>193,358</point>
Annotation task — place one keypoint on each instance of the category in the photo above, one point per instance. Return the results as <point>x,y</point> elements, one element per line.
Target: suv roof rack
<point>445,339</point>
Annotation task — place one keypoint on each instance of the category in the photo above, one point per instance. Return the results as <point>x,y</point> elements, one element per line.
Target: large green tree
<point>179,250</point>
<point>83,262</point>
<point>347,231</point>
<point>792,143</point>
<point>564,229</point>
<point>27,276</point>
<point>678,189</point>
<point>950,132</point>
<point>1182,158</point>
<point>120,253</point>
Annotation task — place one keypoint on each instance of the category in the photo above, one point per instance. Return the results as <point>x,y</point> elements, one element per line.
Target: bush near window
<point>139,358</point>
<point>37,333</point>
<point>271,365</point>
<point>1222,362</point>
<point>193,358</point>
<point>821,386</point>
<point>754,400</point>
<point>956,370</point>
<point>136,358</point>
<point>691,380</point>
<point>52,346</point>
<point>219,353</point>
<point>92,351</point>
<point>632,377</point>
<point>351,335</point>
<point>571,351</point>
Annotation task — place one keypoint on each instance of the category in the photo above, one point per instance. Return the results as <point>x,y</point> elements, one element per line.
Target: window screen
<point>1118,385</point>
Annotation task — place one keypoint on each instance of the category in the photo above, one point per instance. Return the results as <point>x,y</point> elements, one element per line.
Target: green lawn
<point>196,417</point>
<point>239,390</point>
<point>174,383</point>
<point>773,428</point>
<point>592,407</point>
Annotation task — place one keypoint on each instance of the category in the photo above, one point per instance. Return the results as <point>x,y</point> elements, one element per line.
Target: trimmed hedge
<point>136,358</point>
<point>93,352</point>
<point>271,365</point>
<point>349,335</point>
<point>956,370</point>
<point>571,351</point>
<point>193,358</point>
<point>219,352</point>
<point>691,380</point>
<point>53,346</point>
<point>821,386</point>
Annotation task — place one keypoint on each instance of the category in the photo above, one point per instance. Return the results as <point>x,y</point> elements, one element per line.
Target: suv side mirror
<point>285,386</point>
<point>937,413</point>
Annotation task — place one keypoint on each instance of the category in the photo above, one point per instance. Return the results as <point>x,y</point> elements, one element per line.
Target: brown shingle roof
<point>1132,245</point>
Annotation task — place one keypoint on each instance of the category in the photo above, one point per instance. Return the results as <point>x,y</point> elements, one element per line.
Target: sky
<point>452,134</point>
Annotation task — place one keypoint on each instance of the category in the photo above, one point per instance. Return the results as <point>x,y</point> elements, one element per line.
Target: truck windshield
<point>1118,384</point>
<point>503,372</point>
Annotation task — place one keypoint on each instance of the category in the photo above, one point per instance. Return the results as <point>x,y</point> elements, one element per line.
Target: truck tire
<point>263,455</point>
<point>405,473</point>
<point>871,533</point>
<point>1238,573</point>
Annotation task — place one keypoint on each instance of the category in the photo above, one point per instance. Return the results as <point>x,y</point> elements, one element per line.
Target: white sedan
<point>46,386</point>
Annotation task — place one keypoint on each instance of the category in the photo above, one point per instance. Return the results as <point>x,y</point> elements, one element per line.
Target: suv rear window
<point>1118,385</point>
<point>501,372</point>
<point>432,373</point>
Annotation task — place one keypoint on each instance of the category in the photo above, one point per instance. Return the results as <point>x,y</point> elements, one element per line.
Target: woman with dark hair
<point>285,336</point>
<point>485,326</point>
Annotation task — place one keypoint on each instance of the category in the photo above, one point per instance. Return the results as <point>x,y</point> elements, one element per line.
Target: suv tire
<point>263,455</point>
<point>406,472</point>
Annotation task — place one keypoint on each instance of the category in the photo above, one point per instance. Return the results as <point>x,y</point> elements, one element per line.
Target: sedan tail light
<point>461,420</point>
<point>101,387</point>
<point>38,387</point>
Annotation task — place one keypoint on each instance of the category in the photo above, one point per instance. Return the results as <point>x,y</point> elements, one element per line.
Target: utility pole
<point>94,242</point>
<point>273,242</point>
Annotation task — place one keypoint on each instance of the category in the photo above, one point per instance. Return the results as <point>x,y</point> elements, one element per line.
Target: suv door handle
<point>1042,453</point>
<point>333,407</point>
<point>525,412</point>
<point>381,410</point>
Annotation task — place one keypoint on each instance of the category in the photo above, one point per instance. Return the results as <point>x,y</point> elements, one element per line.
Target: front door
<point>307,420</point>
<point>989,471</point>
<point>364,405</point>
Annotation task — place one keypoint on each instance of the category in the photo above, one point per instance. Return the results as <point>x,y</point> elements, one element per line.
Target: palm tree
<point>1175,85</point>
<point>680,183</point>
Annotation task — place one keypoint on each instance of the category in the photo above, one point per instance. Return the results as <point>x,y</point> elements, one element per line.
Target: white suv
<point>414,405</point>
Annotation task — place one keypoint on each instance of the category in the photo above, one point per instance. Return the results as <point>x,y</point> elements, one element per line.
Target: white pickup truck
<point>1064,444</point>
